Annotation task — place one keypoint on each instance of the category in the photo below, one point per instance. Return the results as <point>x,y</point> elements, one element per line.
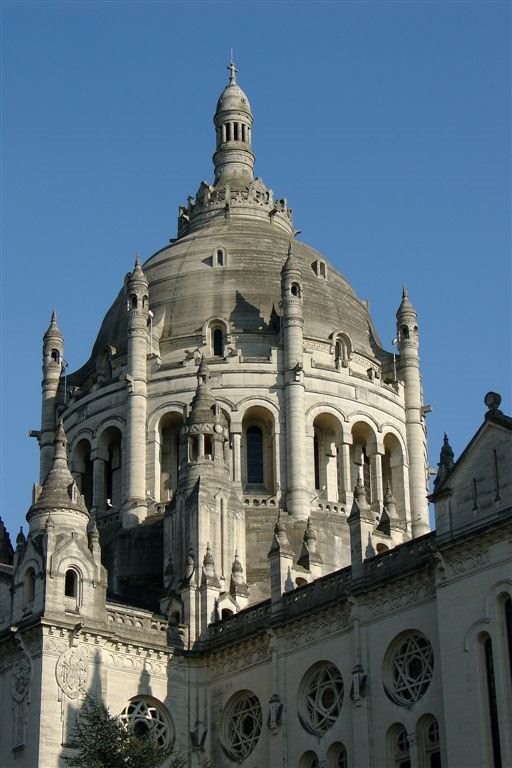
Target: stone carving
<point>71,672</point>
<point>468,561</point>
<point>21,676</point>
<point>398,600</point>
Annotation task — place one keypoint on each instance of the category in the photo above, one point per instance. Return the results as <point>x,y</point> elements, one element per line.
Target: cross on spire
<point>232,69</point>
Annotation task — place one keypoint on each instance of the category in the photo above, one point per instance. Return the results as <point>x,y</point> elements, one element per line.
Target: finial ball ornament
<point>492,400</point>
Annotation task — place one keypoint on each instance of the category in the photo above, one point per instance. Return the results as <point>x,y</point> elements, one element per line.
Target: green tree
<point>103,741</point>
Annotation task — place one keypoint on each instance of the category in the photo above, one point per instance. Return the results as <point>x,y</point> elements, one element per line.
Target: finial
<point>493,401</point>
<point>232,69</point>
<point>54,316</point>
<point>137,260</point>
<point>405,294</point>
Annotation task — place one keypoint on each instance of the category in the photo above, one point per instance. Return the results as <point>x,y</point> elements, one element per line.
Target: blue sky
<point>386,125</point>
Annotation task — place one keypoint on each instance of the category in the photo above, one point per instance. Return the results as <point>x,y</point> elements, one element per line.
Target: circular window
<point>241,725</point>
<point>144,717</point>
<point>409,668</point>
<point>321,697</point>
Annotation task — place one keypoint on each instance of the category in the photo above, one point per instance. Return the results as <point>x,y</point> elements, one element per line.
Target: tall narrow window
<point>71,583</point>
<point>218,342</point>
<point>317,462</point>
<point>431,750</point>
<point>367,476</point>
<point>402,753</point>
<point>254,456</point>
<point>493,704</point>
<point>508,625</point>
<point>29,584</point>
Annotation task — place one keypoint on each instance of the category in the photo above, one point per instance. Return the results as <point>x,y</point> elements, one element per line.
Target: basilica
<point>229,541</point>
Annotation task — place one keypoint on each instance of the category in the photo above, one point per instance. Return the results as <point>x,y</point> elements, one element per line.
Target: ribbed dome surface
<point>185,291</point>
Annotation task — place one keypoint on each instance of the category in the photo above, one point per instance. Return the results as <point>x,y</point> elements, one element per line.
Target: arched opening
<point>393,471</point>
<point>363,447</point>
<point>254,455</point>
<point>342,350</point>
<point>29,586</point>
<point>404,332</point>
<point>219,257</point>
<point>82,470</point>
<point>133,301</point>
<point>337,756</point>
<point>295,290</point>
<point>218,342</point>
<point>257,450</point>
<point>326,456</point>
<point>226,613</point>
<point>169,428</point>
<point>427,737</point>
<point>399,749</point>
<point>110,453</point>
<point>71,583</point>
<point>309,760</point>
<point>55,355</point>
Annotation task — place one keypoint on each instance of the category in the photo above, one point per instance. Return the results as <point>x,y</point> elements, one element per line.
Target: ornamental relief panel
<point>21,676</point>
<point>232,661</point>
<point>306,633</point>
<point>467,561</point>
<point>396,601</point>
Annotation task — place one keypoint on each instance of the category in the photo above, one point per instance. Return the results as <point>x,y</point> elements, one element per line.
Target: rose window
<point>241,723</point>
<point>410,668</point>
<point>321,697</point>
<point>145,718</point>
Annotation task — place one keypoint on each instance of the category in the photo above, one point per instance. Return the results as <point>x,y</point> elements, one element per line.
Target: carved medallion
<point>71,672</point>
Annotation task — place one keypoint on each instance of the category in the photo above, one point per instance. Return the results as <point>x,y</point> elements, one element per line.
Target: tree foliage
<point>101,740</point>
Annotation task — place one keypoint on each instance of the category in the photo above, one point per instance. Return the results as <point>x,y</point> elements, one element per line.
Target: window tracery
<point>321,697</point>
<point>409,669</point>
<point>241,725</point>
<point>147,718</point>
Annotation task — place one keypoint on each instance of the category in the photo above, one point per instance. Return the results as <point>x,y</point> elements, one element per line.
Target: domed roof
<point>232,97</point>
<point>253,233</point>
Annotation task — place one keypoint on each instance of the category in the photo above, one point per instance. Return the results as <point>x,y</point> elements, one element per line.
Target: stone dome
<point>233,98</point>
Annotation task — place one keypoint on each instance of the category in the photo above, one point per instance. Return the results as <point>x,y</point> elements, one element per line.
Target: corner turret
<point>134,508</point>
<point>409,373</point>
<point>297,499</point>
<point>53,365</point>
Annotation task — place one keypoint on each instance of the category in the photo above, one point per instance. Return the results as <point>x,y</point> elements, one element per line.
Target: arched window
<point>226,613</point>
<point>428,742</point>
<point>337,756</point>
<point>133,301</point>
<point>254,456</point>
<point>29,586</point>
<point>401,749</point>
<point>295,290</point>
<point>218,342</point>
<point>309,760</point>
<point>55,355</point>
<point>71,583</point>
<point>404,332</point>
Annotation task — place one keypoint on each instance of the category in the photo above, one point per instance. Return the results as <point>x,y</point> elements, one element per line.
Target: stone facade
<point>230,538</point>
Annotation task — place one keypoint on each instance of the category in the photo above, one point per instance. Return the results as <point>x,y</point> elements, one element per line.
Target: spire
<point>6,550</point>
<point>53,331</point>
<point>405,305</point>
<point>445,464</point>
<point>59,490</point>
<point>203,402</point>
